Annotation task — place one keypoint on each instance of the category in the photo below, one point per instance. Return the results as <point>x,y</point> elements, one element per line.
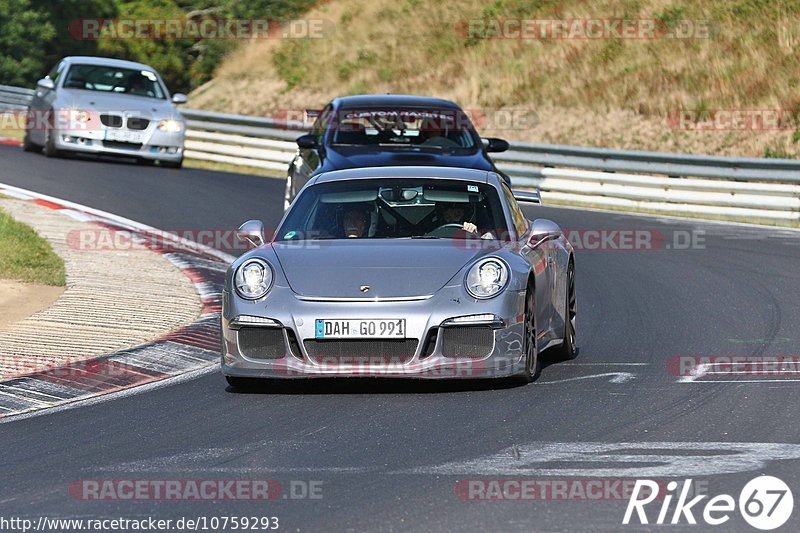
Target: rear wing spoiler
<point>529,197</point>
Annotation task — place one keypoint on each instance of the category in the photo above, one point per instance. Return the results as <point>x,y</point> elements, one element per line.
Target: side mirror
<point>46,83</point>
<point>251,231</point>
<point>543,230</point>
<point>307,141</point>
<point>179,98</point>
<point>530,197</point>
<point>496,145</point>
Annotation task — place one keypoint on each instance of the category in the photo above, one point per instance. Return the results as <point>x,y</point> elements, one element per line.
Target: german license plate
<point>124,136</point>
<point>360,329</point>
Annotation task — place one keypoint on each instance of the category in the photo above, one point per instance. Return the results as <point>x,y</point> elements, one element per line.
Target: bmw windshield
<point>114,80</point>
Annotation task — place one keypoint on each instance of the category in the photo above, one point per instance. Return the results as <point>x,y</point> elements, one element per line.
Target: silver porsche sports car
<point>106,106</point>
<point>419,272</point>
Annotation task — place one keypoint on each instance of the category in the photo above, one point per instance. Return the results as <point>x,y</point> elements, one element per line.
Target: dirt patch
<point>20,300</point>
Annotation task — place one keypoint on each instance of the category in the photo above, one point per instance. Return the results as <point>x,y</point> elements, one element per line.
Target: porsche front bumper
<point>276,339</point>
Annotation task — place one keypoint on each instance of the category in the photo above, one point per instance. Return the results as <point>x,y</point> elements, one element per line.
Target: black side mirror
<point>494,144</point>
<point>307,141</point>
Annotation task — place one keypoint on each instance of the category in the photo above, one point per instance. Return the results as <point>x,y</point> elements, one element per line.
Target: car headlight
<point>487,278</point>
<point>253,279</point>
<point>170,125</point>
<point>76,115</point>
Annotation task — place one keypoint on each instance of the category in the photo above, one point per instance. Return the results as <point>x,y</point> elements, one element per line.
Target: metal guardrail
<point>744,188</point>
<point>14,98</point>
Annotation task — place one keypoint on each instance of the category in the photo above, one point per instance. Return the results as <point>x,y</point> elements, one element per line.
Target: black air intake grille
<point>360,351</point>
<point>122,145</point>
<point>262,343</point>
<point>467,341</point>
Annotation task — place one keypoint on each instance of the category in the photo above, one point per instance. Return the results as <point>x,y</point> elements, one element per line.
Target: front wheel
<point>50,149</point>
<point>28,145</point>
<point>532,363</point>
<point>568,349</point>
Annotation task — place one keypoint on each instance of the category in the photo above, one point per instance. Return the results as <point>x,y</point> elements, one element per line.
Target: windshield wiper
<point>426,237</point>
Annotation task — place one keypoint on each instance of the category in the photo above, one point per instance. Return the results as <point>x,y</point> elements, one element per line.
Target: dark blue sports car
<point>389,130</point>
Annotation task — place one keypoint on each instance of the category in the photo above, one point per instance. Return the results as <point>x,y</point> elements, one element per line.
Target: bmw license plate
<point>124,136</point>
<point>360,329</point>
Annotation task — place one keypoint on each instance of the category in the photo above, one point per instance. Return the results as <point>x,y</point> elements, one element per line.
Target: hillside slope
<point>741,55</point>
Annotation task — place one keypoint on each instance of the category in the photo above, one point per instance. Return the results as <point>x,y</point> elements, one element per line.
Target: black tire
<point>242,383</point>
<point>172,164</point>
<point>28,145</point>
<point>49,143</point>
<point>568,349</point>
<point>533,364</point>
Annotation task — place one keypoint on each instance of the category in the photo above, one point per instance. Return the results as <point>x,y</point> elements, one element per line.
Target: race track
<point>389,454</point>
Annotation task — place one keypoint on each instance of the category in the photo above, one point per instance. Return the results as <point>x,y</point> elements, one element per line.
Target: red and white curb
<point>8,141</point>
<point>190,348</point>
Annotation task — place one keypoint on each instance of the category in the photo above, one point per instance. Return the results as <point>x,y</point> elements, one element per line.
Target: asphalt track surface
<point>389,454</point>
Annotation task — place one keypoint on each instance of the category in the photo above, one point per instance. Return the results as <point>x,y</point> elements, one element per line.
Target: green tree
<point>22,31</point>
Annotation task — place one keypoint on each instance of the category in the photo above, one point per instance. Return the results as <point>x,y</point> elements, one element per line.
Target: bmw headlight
<point>487,278</point>
<point>77,115</point>
<point>170,125</point>
<point>253,279</point>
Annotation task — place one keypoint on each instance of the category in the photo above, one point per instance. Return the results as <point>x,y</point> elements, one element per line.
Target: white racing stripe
<point>624,459</point>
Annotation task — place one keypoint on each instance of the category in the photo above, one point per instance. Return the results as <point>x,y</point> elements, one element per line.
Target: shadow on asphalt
<point>371,385</point>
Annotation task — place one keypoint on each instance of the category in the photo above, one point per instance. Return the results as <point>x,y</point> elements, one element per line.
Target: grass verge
<point>237,169</point>
<point>25,256</point>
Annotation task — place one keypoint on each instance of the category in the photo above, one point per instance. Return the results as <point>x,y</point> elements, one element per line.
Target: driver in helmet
<point>458,213</point>
<point>454,213</point>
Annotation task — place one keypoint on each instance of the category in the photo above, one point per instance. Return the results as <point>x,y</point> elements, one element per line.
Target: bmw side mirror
<point>251,231</point>
<point>543,230</point>
<point>307,141</point>
<point>494,144</point>
<point>46,83</point>
<point>179,98</point>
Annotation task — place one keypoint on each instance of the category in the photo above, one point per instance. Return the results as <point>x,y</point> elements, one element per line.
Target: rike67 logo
<point>765,503</point>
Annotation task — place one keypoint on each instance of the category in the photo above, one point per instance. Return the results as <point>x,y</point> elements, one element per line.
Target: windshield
<point>114,80</point>
<point>411,127</point>
<point>395,209</point>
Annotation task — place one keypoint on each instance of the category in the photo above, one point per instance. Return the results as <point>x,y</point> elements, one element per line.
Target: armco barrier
<point>743,188</point>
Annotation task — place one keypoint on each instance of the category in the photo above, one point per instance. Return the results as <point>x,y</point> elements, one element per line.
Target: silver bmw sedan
<point>106,106</point>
